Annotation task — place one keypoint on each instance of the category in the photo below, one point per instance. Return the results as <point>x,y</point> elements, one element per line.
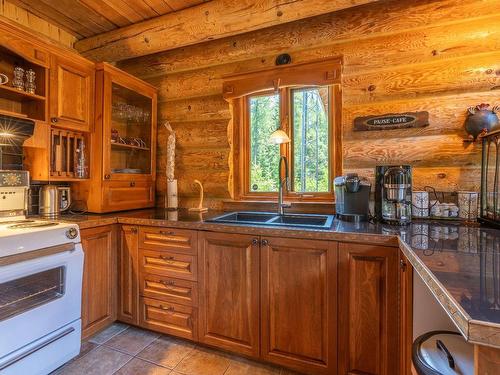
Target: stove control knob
<point>72,233</point>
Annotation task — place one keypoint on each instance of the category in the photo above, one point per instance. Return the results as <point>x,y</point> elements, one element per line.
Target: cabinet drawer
<point>165,263</point>
<point>123,195</point>
<point>170,318</point>
<point>168,289</point>
<point>176,240</point>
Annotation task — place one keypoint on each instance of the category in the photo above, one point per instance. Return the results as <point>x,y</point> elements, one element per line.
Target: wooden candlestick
<point>200,207</point>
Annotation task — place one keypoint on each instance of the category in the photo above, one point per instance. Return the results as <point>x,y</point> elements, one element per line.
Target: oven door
<point>39,295</point>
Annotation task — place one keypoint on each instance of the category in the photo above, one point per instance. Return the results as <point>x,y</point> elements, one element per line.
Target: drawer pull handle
<point>167,308</point>
<point>164,257</point>
<point>167,282</point>
<point>165,233</point>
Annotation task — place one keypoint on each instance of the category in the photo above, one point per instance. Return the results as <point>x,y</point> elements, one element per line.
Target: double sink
<point>272,219</point>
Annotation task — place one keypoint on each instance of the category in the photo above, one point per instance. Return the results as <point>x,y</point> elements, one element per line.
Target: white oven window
<point>25,293</point>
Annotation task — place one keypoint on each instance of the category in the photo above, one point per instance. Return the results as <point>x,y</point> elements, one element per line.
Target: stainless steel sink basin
<point>245,217</point>
<point>300,220</point>
<point>270,219</point>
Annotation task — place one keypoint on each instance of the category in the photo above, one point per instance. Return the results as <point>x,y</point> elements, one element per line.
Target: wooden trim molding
<point>322,72</point>
<point>237,88</point>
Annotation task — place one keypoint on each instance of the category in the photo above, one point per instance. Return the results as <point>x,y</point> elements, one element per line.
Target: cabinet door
<point>368,309</point>
<point>71,93</point>
<point>128,270</point>
<point>99,278</point>
<point>129,128</point>
<point>229,291</point>
<point>298,301</point>
<point>127,195</point>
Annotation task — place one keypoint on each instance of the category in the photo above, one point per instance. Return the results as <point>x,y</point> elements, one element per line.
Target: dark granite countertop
<point>460,264</point>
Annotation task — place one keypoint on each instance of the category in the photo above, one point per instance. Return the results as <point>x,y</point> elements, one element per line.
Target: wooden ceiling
<point>85,18</point>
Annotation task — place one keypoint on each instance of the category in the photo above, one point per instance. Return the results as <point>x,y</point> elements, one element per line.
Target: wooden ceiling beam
<point>213,20</point>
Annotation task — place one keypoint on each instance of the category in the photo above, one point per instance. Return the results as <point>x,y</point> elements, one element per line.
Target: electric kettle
<point>53,200</point>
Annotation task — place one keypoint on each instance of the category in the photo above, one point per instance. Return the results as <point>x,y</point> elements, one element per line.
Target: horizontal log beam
<point>417,33</point>
<point>213,20</point>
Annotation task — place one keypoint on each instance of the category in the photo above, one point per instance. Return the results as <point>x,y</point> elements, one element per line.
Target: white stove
<point>25,235</point>
<point>41,267</point>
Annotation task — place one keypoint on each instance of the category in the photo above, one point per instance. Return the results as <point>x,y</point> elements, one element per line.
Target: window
<point>306,105</point>
<point>309,131</point>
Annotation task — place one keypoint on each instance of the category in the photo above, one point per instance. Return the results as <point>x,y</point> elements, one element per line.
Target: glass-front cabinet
<point>123,159</point>
<point>129,135</point>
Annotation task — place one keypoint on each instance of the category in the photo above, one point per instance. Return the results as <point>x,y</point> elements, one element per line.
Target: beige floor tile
<point>139,367</point>
<point>101,361</point>
<point>108,333</point>
<point>132,340</point>
<point>166,351</point>
<point>203,361</point>
<point>240,366</point>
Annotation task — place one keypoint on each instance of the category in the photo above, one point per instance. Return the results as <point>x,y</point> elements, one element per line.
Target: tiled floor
<point>125,350</point>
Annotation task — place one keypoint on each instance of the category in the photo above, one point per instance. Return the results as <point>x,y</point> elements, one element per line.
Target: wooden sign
<point>392,121</point>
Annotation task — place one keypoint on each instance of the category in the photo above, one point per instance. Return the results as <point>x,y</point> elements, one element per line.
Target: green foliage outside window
<point>310,140</point>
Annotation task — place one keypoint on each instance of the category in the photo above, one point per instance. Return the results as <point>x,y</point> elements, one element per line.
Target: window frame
<point>238,92</point>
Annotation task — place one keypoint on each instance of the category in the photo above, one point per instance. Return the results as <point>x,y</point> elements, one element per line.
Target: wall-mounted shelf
<point>11,93</point>
<point>130,147</point>
<point>33,106</point>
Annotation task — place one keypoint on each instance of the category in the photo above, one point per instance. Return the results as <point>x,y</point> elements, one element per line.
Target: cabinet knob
<point>132,183</point>
<point>255,241</point>
<point>265,242</point>
<point>402,264</point>
<point>107,176</point>
<point>53,120</point>
<point>133,230</point>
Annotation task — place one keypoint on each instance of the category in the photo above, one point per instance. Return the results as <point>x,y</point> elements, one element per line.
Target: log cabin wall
<point>440,56</point>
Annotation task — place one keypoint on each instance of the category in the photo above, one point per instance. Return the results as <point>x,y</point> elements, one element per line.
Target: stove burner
<point>16,222</point>
<point>32,225</point>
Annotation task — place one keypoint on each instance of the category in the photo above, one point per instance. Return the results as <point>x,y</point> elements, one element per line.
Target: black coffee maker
<point>393,194</point>
<point>352,196</point>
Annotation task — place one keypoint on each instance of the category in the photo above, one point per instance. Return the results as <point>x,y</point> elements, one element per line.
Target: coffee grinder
<point>393,194</point>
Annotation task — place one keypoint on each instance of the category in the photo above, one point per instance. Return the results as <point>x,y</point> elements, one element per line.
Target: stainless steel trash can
<point>443,353</point>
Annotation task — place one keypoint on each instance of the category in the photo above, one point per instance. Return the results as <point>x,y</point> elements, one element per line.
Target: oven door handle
<point>21,257</point>
<point>36,348</point>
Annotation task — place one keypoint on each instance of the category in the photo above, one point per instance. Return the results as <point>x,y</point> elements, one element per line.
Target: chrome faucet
<point>283,183</point>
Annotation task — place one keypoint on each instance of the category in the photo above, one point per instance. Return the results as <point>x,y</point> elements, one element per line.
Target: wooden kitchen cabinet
<point>123,158</point>
<point>299,304</point>
<point>128,275</point>
<point>99,278</point>
<point>229,291</point>
<point>72,93</point>
<point>369,322</point>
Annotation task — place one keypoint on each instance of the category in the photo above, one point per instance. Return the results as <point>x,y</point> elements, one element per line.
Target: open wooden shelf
<point>130,147</point>
<point>11,93</point>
